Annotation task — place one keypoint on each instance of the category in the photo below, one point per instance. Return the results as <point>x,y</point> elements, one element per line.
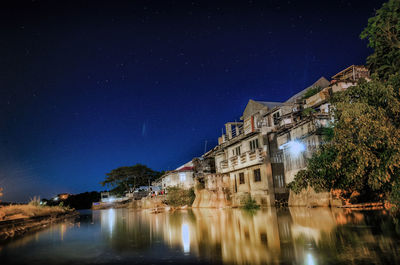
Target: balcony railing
<point>224,164</point>
<point>245,159</point>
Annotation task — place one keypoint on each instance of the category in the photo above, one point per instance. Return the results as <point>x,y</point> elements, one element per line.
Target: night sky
<point>86,86</point>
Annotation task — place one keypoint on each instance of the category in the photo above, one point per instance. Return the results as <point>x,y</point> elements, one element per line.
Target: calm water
<point>271,236</point>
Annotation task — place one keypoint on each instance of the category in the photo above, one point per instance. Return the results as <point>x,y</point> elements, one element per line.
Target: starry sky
<point>88,86</point>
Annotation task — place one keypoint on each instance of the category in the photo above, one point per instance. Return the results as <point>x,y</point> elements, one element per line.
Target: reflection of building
<point>181,177</point>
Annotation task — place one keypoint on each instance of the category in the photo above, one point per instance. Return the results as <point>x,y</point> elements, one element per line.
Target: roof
<point>254,106</point>
<point>321,82</point>
<point>185,169</point>
<point>188,164</point>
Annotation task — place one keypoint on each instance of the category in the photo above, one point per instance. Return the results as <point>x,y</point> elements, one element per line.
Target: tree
<point>124,179</point>
<point>364,152</point>
<point>383,34</point>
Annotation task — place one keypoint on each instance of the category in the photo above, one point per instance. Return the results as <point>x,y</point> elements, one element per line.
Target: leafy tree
<point>364,152</point>
<point>383,33</point>
<point>124,179</point>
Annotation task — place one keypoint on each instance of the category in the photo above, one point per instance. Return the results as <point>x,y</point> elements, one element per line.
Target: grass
<point>28,210</point>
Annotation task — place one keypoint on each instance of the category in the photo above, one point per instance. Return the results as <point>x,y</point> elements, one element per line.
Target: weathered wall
<point>309,198</point>
<point>261,191</point>
<point>211,199</point>
<point>149,202</point>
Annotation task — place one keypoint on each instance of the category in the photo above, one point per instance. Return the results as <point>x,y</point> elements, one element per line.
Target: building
<point>181,177</point>
<point>259,155</point>
<point>302,137</point>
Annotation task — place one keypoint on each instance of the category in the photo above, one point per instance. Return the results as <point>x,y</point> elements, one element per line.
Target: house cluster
<point>259,155</point>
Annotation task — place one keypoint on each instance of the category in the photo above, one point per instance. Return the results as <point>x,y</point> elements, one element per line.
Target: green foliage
<point>383,34</point>
<point>180,197</point>
<point>308,112</point>
<point>364,152</point>
<point>250,204</point>
<point>394,196</point>
<point>312,91</point>
<point>320,173</point>
<point>123,179</point>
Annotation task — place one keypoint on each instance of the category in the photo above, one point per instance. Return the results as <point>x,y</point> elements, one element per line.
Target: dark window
<point>238,150</point>
<point>257,175</point>
<point>241,178</point>
<point>253,144</point>
<point>264,239</point>
<point>276,116</point>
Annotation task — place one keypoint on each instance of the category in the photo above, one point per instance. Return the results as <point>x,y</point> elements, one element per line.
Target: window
<point>182,177</point>
<point>276,116</point>
<point>257,175</point>
<point>241,178</point>
<point>279,181</point>
<point>253,144</point>
<point>236,151</point>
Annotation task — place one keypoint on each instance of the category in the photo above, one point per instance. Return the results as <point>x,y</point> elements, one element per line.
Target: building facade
<point>181,177</point>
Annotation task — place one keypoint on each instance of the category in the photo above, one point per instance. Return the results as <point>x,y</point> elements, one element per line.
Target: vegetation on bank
<point>33,208</point>
<point>250,204</point>
<point>362,154</point>
<point>177,197</point>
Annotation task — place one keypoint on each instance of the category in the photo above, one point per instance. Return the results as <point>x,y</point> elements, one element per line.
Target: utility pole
<point>205,147</point>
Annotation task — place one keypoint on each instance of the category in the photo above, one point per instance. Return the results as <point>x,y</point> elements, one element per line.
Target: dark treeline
<point>77,201</point>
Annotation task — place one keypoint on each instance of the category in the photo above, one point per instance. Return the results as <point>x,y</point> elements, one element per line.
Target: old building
<point>242,163</point>
<point>260,154</point>
<point>305,134</point>
<point>180,177</point>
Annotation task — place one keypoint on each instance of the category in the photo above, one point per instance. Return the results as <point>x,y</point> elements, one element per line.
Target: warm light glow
<point>310,259</point>
<point>111,220</point>
<point>185,238</point>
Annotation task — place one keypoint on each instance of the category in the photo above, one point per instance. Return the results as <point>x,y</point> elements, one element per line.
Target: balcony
<point>224,164</point>
<point>256,155</point>
<point>234,161</point>
<point>244,160</point>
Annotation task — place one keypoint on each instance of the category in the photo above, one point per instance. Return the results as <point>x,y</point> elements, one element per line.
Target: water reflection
<point>230,236</point>
<point>271,236</point>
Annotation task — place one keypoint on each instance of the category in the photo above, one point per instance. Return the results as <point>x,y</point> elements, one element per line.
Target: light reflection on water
<point>230,236</point>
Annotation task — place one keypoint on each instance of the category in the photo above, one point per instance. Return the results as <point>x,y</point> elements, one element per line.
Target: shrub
<point>311,92</point>
<point>180,197</point>
<point>250,204</point>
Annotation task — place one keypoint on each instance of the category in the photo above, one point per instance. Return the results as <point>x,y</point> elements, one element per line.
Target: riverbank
<point>18,220</point>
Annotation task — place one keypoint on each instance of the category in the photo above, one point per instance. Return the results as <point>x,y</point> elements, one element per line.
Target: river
<point>213,236</point>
